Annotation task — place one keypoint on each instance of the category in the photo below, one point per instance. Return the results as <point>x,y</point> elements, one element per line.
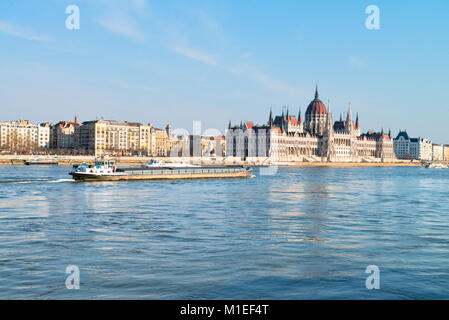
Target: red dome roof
<point>316,106</point>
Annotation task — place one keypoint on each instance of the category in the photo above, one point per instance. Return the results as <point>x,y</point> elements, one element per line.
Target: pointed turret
<point>270,118</point>
<point>299,116</point>
<point>328,134</point>
<point>357,121</point>
<point>349,117</point>
<point>329,114</point>
<point>229,125</point>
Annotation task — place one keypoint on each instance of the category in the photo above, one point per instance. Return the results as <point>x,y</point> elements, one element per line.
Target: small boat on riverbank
<point>157,163</point>
<point>436,166</point>
<point>41,161</point>
<point>106,170</point>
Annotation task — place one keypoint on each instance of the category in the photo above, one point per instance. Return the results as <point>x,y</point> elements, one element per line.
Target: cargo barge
<point>105,170</point>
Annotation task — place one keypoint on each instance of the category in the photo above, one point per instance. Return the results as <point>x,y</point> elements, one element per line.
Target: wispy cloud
<point>197,55</point>
<point>261,77</point>
<point>276,85</point>
<point>202,56</point>
<point>19,32</point>
<point>214,31</point>
<point>122,18</point>
<point>122,25</point>
<point>356,61</point>
<point>205,19</point>
<point>139,5</point>
<point>125,23</point>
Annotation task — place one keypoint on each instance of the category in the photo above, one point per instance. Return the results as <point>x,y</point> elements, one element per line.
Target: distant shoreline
<point>357,164</point>
<point>69,160</point>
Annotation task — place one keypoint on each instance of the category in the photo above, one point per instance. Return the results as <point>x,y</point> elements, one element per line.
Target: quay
<point>64,160</point>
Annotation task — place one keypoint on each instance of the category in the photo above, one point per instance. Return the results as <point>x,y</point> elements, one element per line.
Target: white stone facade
<point>437,152</point>
<point>314,140</point>
<point>22,136</point>
<point>107,137</point>
<point>446,153</point>
<point>413,148</point>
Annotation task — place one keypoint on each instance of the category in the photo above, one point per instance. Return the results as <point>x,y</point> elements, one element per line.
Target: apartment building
<point>22,136</point>
<point>109,137</point>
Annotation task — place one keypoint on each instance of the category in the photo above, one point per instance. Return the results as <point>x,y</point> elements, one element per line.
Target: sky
<point>217,61</point>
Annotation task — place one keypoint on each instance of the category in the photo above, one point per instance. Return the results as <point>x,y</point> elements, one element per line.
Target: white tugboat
<point>106,170</point>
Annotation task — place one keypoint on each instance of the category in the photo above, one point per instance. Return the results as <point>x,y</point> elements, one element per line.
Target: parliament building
<point>315,138</point>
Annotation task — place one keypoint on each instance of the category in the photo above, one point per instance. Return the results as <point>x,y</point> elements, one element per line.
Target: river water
<point>302,233</point>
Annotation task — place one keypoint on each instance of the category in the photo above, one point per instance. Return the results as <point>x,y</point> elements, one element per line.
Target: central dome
<point>316,106</point>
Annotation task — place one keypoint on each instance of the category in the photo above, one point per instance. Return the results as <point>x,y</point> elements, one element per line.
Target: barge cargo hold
<point>107,171</point>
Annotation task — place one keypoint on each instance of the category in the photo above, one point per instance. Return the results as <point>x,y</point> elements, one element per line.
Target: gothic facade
<point>316,138</point>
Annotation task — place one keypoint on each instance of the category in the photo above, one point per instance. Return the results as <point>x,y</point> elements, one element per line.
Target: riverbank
<point>357,164</point>
<point>137,161</point>
<point>71,160</point>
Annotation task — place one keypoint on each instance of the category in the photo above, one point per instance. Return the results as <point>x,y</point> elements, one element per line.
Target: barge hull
<point>130,177</point>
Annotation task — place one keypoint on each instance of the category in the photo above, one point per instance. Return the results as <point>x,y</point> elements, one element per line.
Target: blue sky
<point>178,61</point>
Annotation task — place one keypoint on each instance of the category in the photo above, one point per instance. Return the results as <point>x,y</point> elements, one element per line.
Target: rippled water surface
<point>304,233</point>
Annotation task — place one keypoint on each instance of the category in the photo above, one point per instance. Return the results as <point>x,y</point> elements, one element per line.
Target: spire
<point>299,115</point>
<point>287,112</point>
<point>229,125</point>
<point>389,133</point>
<point>349,117</point>
<point>357,121</point>
<point>328,130</point>
<point>270,118</point>
<point>316,91</point>
<point>329,113</point>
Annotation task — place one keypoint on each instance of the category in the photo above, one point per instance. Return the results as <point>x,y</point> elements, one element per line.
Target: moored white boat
<point>157,163</point>
<point>41,160</point>
<point>436,166</point>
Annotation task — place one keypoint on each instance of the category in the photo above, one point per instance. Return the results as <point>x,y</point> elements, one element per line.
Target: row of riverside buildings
<point>419,148</point>
<point>283,138</point>
<point>102,137</point>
